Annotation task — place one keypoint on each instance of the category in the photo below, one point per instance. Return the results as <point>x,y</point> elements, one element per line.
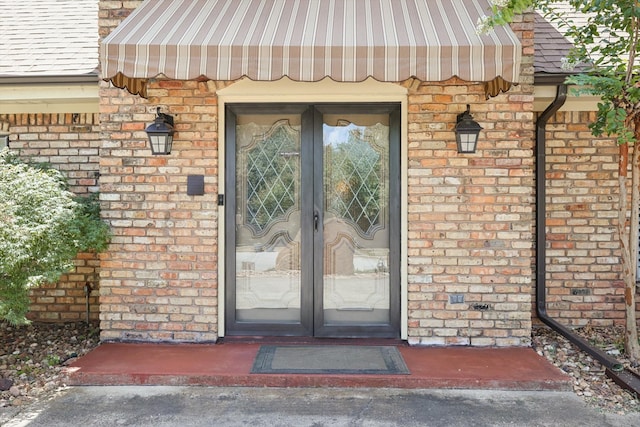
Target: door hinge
<point>220,199</point>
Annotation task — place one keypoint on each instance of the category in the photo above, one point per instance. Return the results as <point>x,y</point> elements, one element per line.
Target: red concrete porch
<point>229,364</point>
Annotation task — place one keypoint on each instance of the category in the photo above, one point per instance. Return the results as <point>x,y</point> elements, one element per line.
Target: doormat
<point>334,359</point>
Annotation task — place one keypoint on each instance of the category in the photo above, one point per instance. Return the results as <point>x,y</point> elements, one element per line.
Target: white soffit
<point>543,96</point>
<point>49,98</point>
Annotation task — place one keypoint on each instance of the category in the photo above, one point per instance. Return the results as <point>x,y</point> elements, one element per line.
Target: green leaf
<point>44,228</point>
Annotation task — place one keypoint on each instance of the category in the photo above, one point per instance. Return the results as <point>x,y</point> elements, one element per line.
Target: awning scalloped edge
<point>136,86</point>
<point>132,85</point>
<point>496,86</point>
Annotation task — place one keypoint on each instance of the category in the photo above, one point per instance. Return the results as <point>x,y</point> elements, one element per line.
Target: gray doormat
<point>334,359</point>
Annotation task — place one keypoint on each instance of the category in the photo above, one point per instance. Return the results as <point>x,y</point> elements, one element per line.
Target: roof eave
<point>92,77</point>
<point>550,78</point>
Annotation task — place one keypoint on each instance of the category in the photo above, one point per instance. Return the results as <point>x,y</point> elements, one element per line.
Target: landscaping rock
<point>5,384</point>
<point>590,381</point>
<point>34,355</point>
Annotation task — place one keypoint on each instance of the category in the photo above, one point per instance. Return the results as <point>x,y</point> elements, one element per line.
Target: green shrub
<point>43,227</point>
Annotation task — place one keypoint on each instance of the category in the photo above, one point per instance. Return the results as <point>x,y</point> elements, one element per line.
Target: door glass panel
<point>356,219</point>
<point>268,218</point>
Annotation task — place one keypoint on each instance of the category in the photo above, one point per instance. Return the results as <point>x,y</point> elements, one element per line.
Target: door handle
<point>316,219</point>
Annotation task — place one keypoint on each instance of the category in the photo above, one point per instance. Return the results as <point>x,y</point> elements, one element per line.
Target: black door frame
<point>312,313</point>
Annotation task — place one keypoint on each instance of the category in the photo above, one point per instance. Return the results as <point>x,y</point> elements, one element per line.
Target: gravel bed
<point>32,358</point>
<point>589,379</point>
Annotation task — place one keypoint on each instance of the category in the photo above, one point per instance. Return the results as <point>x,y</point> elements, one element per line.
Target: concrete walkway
<point>229,364</point>
<point>243,406</point>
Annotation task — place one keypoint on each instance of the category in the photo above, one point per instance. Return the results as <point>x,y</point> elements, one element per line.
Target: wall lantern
<point>467,131</point>
<point>161,133</point>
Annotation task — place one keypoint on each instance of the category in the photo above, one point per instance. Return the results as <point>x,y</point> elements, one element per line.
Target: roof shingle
<point>48,37</point>
<point>550,47</point>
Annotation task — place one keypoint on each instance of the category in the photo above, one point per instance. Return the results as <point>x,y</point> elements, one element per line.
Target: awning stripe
<point>308,40</point>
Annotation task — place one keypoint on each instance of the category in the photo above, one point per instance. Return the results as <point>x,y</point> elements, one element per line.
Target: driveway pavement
<point>314,407</point>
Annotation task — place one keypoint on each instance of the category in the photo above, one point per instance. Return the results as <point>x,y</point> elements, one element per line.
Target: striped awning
<point>308,40</point>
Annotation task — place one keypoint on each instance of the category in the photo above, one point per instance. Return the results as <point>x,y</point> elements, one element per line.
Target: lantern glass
<point>467,131</point>
<point>160,134</point>
<point>467,141</point>
<point>161,143</point>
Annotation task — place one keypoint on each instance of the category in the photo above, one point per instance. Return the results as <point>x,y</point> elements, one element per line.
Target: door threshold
<point>271,340</point>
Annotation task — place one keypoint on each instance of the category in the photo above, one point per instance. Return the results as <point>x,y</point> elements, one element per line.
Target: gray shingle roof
<point>550,43</point>
<point>48,37</point>
<point>550,47</point>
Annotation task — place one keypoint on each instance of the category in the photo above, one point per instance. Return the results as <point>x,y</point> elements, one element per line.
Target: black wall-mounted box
<point>195,185</point>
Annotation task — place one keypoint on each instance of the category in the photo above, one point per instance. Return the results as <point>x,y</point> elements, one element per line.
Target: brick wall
<point>584,283</point>
<point>70,143</point>
<point>112,12</point>
<point>159,276</point>
<point>471,216</point>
